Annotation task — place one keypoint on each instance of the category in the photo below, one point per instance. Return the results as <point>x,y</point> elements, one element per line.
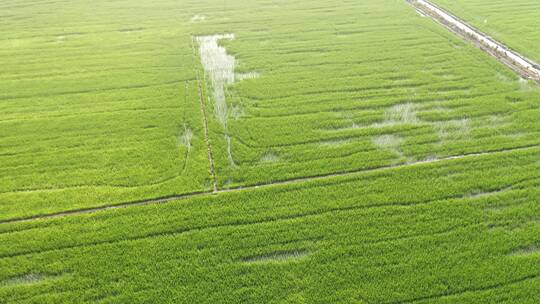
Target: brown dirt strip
<point>266,185</point>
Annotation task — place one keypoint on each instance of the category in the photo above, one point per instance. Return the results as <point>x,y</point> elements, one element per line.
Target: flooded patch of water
<point>389,142</point>
<point>229,150</point>
<point>269,158</point>
<point>198,18</point>
<point>421,14</point>
<point>30,278</point>
<point>186,137</point>
<point>525,251</point>
<point>244,76</point>
<point>219,67</point>
<point>496,121</point>
<point>401,113</point>
<point>278,256</point>
<point>503,77</point>
<point>453,129</point>
<point>527,85</point>
<point>185,140</point>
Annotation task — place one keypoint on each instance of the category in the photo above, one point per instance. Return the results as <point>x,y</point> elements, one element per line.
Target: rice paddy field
<point>513,22</point>
<point>268,151</point>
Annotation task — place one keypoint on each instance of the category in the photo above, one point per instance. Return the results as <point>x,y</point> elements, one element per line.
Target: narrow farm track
<point>526,67</point>
<point>277,183</point>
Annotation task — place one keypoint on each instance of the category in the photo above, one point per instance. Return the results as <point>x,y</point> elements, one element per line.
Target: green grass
<point>99,105</point>
<point>514,23</point>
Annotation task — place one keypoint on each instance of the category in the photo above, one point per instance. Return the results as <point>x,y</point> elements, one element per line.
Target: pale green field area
<point>514,23</point>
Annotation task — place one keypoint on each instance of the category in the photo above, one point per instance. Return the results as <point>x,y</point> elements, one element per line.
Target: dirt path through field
<point>277,183</point>
<point>526,67</point>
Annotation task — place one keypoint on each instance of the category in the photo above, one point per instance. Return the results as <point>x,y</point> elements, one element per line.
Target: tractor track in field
<point>299,180</point>
<point>519,63</point>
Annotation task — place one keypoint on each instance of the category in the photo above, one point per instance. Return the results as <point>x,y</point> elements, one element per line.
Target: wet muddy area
<point>219,67</point>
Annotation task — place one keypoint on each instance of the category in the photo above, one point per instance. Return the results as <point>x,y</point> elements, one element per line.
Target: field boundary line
<point>205,121</point>
<point>519,63</point>
<point>299,180</point>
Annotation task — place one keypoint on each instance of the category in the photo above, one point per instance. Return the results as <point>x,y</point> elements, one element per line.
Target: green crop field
<point>95,106</point>
<point>514,23</point>
<point>266,151</point>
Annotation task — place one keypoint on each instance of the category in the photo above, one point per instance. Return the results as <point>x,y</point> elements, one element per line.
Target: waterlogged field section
<point>361,153</point>
<point>514,23</point>
<point>378,86</point>
<point>96,108</point>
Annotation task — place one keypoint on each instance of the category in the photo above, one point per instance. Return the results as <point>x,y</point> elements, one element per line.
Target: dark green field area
<point>514,23</point>
<point>264,151</point>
